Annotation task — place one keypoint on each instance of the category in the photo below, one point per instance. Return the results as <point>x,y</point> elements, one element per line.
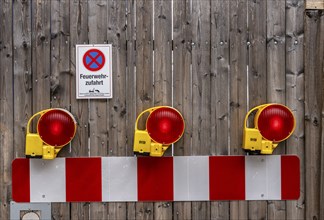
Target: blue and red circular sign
<point>94,60</point>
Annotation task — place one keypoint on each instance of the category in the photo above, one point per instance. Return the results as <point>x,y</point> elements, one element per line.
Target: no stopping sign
<point>94,71</point>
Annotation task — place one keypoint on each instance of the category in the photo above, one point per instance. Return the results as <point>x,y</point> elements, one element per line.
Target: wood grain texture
<point>79,108</point>
<point>257,75</point>
<point>41,54</point>
<point>182,72</point>
<point>130,89</point>
<point>6,106</point>
<point>117,105</point>
<point>22,73</point>
<point>60,78</point>
<point>98,109</point>
<point>313,110</point>
<point>144,77</point>
<point>162,80</point>
<point>220,95</point>
<point>315,4</point>
<point>276,77</point>
<point>238,88</point>
<point>201,88</point>
<point>182,89</point>
<point>295,96</point>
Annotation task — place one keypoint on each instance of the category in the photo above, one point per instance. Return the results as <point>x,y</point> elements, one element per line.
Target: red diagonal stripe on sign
<point>93,60</point>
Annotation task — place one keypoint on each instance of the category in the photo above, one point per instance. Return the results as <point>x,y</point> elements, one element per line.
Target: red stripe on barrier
<point>20,180</point>
<point>83,179</point>
<point>155,178</point>
<point>227,178</point>
<point>290,177</point>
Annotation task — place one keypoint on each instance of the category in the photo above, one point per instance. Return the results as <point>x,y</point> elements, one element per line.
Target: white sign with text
<point>94,71</point>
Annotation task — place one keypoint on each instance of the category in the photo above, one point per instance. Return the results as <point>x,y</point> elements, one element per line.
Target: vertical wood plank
<point>238,99</point>
<point>257,75</point>
<point>295,96</point>
<point>41,60</point>
<point>130,75</point>
<point>162,53</point>
<point>276,77</point>
<point>60,78</point>
<point>130,88</point>
<point>163,76</point>
<point>98,109</point>
<point>313,106</point>
<point>144,76</point>
<point>201,91</point>
<point>220,76</point>
<point>117,105</point>
<point>6,106</point>
<point>182,78</point>
<point>22,73</point>
<point>79,108</point>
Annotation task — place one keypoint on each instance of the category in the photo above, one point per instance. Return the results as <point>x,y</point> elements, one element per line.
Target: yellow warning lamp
<point>55,128</point>
<point>273,123</point>
<point>164,126</point>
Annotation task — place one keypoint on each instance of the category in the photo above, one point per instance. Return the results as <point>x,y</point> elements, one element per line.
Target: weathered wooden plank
<point>116,36</point>
<point>6,106</point>
<point>79,108</point>
<point>201,123</point>
<point>313,107</point>
<point>98,109</point>
<point>276,52</point>
<point>144,77</point>
<point>22,73</point>
<point>162,53</point>
<point>41,60</point>
<point>315,4</point>
<point>60,78</point>
<point>295,96</point>
<point>238,88</point>
<point>162,81</point>
<point>220,79</point>
<point>182,76</point>
<point>276,77</point>
<point>257,75</point>
<point>60,59</point>
<point>130,75</point>
<point>130,89</point>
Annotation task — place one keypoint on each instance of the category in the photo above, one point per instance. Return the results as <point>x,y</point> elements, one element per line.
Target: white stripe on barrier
<point>191,178</point>
<point>47,180</point>
<point>263,178</point>
<point>119,179</point>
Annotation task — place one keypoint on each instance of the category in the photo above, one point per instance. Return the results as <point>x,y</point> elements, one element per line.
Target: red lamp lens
<point>56,127</point>
<point>165,125</point>
<point>276,122</point>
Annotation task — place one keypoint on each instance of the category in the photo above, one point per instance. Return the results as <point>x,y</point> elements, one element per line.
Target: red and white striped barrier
<point>187,178</point>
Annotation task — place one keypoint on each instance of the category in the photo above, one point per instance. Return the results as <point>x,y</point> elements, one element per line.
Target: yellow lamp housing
<point>273,123</point>
<point>164,126</point>
<point>55,128</point>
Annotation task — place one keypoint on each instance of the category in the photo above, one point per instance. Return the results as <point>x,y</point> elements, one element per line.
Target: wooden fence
<point>211,59</point>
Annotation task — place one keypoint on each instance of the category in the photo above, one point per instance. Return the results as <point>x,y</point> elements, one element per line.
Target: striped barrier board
<point>182,178</point>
